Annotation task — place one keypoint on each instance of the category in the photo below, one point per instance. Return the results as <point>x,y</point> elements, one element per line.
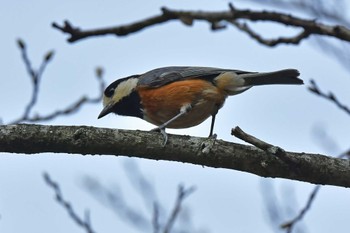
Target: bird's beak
<point>106,110</point>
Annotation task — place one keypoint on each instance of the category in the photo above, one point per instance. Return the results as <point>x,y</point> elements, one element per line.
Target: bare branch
<point>181,195</point>
<point>239,133</point>
<point>114,200</point>
<point>85,224</point>
<point>313,168</point>
<point>290,224</point>
<point>271,149</point>
<point>155,218</point>
<point>73,108</point>
<point>334,12</point>
<point>292,163</point>
<point>330,96</point>
<point>308,26</point>
<point>274,211</point>
<point>279,207</point>
<point>141,185</point>
<point>271,42</point>
<point>78,34</point>
<point>34,75</point>
<point>331,11</point>
<point>283,155</point>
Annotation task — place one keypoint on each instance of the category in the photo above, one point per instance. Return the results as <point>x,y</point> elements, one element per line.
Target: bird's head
<point>121,97</point>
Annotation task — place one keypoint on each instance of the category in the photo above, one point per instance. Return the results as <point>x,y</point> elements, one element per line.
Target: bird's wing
<point>162,76</point>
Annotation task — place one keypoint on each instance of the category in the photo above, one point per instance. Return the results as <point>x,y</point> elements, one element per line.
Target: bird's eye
<point>109,92</point>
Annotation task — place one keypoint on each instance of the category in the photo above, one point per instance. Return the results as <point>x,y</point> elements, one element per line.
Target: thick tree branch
<point>280,153</point>
<point>213,18</point>
<point>313,168</point>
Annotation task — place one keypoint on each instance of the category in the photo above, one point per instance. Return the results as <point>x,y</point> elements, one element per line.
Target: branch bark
<point>213,18</point>
<point>313,168</point>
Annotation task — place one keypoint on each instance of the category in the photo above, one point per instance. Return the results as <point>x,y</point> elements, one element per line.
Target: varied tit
<point>182,97</point>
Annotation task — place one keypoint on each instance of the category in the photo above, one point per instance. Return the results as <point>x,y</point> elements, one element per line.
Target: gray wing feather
<point>162,76</point>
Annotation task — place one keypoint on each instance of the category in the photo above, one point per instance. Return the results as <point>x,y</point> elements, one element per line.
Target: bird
<point>184,96</point>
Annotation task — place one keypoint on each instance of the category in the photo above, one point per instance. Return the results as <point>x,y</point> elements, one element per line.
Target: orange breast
<point>163,103</point>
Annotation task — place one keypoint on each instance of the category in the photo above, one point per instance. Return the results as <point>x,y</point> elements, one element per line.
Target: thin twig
<point>115,201</point>
<point>34,75</point>
<point>271,42</point>
<point>73,108</point>
<point>155,218</point>
<point>181,195</point>
<point>330,96</point>
<point>290,224</point>
<point>269,148</point>
<point>84,223</point>
<point>331,11</point>
<point>279,152</point>
<point>334,12</point>
<point>274,211</point>
<point>142,185</point>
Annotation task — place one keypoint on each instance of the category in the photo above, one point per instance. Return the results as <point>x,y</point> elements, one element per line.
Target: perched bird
<point>182,97</point>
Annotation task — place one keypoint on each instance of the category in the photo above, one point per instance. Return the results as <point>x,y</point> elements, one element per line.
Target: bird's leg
<point>183,110</point>
<point>208,143</point>
<point>213,123</point>
<point>211,135</point>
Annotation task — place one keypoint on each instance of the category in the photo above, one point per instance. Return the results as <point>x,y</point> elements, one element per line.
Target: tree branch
<point>84,223</point>
<point>290,224</point>
<point>271,42</point>
<point>280,153</point>
<point>36,76</point>
<point>313,168</point>
<point>213,18</point>
<point>330,96</point>
<point>181,195</point>
<point>113,199</point>
<point>270,149</point>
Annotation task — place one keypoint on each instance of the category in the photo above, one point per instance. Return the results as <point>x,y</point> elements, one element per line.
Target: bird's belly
<point>199,113</point>
<point>163,103</point>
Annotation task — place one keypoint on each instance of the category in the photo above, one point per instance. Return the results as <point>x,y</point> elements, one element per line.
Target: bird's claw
<point>208,144</point>
<point>162,131</point>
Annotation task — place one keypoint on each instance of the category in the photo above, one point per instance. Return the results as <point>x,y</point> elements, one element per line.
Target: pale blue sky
<point>225,200</point>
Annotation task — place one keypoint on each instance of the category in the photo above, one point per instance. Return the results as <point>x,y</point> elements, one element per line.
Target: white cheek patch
<point>106,100</point>
<point>123,89</point>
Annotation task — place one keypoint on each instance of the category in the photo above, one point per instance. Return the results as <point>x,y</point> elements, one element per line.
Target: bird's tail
<point>235,83</point>
<point>288,76</point>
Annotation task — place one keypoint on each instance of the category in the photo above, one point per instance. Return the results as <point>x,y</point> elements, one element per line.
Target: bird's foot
<point>162,131</point>
<point>208,144</point>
